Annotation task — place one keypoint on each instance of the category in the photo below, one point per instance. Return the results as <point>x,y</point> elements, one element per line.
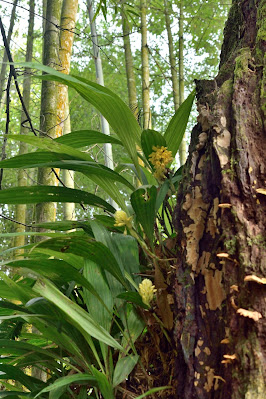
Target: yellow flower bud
<point>147,291</point>
<point>121,219</point>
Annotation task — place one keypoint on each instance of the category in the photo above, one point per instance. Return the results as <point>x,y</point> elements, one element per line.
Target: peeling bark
<point>220,225</point>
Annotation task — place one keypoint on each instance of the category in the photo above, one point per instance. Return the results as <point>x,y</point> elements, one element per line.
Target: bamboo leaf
<point>177,126</point>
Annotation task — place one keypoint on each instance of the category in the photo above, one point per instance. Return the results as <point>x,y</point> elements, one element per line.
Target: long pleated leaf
<point>84,138</point>
<point>104,385</point>
<point>123,368</point>
<point>103,181</point>
<point>9,372</point>
<point>70,379</point>
<point>177,126</point>
<point>102,314</point>
<point>78,316</point>
<point>116,112</point>
<point>56,269</point>
<point>63,161</point>
<point>95,251</point>
<point>37,194</point>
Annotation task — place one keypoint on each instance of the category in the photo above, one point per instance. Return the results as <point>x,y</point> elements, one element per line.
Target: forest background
<point>153,284</point>
<point>203,23</point>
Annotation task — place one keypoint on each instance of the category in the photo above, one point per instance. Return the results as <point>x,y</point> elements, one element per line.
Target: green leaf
<point>134,297</point>
<point>82,138</point>
<point>93,274</point>
<point>9,372</point>
<point>50,145</point>
<point>153,390</point>
<point>79,378</point>
<point>162,194</point>
<point>177,126</point>
<point>123,368</point>
<point>64,161</point>
<point>37,194</point>
<point>95,251</point>
<point>78,316</point>
<point>104,385</point>
<point>149,139</point>
<point>55,269</point>
<point>22,293</point>
<point>115,111</point>
<point>65,225</point>
<point>133,328</point>
<point>143,202</point>
<point>15,394</point>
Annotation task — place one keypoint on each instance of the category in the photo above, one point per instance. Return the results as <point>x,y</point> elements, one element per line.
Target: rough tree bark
<point>220,223</point>
<point>216,286</point>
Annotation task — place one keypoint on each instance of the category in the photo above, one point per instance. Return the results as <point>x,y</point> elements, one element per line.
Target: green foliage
<point>80,288</point>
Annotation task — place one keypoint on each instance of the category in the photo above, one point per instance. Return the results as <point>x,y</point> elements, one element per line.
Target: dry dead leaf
<point>248,313</point>
<point>255,279</point>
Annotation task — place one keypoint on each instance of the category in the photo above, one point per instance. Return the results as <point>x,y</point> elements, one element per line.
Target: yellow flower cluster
<point>121,219</point>
<point>160,158</point>
<point>146,291</point>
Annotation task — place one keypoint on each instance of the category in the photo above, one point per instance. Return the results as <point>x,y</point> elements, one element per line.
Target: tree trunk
<point>46,211</point>
<point>220,223</point>
<point>182,149</point>
<point>131,81</point>
<point>22,175</point>
<point>145,67</point>
<point>172,58</point>
<point>68,23</point>
<point>108,152</point>
<point>5,60</point>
